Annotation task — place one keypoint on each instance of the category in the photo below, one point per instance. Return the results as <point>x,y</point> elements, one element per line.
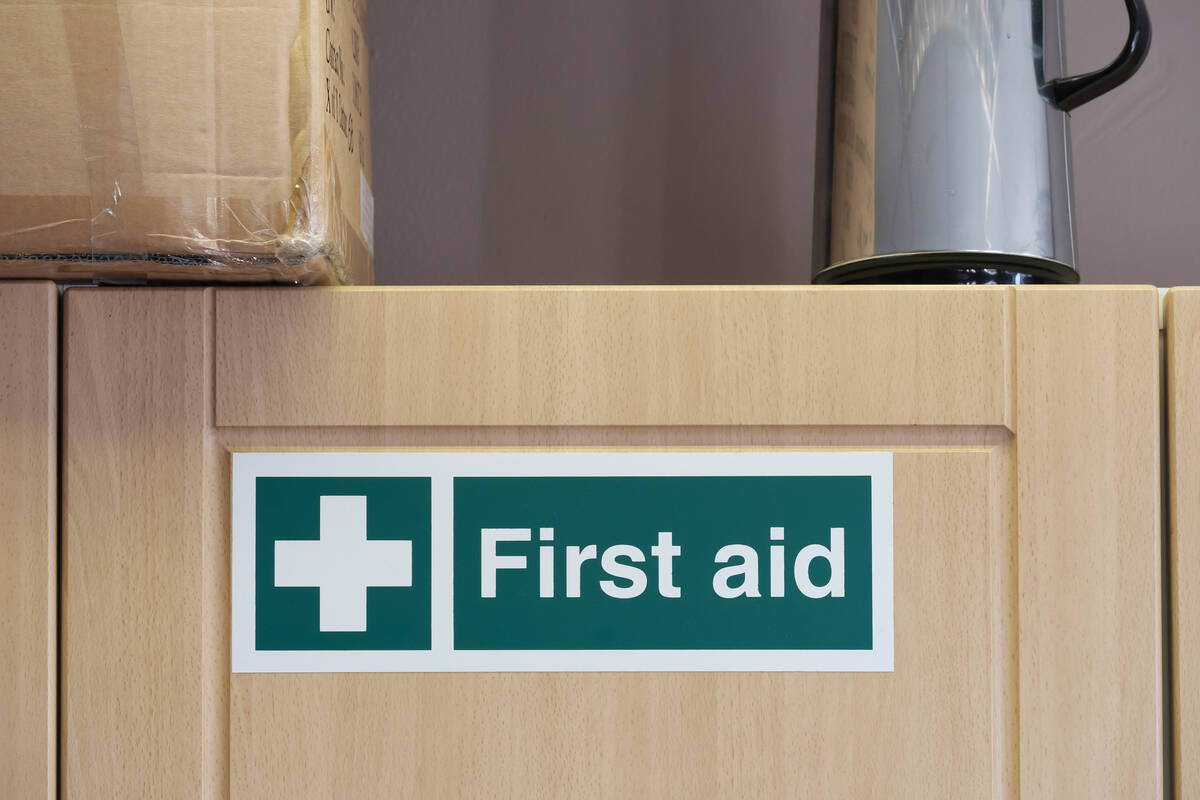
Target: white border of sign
<point>442,467</point>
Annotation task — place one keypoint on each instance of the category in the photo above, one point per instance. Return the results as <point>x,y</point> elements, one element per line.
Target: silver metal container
<point>951,146</point>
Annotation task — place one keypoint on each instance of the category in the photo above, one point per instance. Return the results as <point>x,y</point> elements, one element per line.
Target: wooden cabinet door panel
<point>1027,565</point>
<point>929,727</point>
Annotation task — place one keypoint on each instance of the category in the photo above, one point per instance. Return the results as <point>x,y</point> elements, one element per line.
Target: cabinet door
<point>29,538</point>
<point>1027,599</point>
<point>1181,324</point>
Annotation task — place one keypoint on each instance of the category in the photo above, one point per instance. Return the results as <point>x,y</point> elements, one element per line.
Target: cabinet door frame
<point>1181,333</point>
<point>29,533</point>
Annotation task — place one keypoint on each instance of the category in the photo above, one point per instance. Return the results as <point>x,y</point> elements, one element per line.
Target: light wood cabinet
<point>1027,563</point>
<point>28,539</point>
<point>1181,324</point>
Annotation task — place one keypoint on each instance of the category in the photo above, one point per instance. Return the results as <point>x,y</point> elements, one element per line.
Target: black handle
<point>1072,92</point>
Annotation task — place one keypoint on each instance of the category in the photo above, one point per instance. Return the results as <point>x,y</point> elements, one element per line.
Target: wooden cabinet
<point>28,538</point>
<point>1027,563</point>
<point>1181,324</point>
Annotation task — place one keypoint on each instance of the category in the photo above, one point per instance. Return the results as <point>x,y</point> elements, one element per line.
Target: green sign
<point>562,561</point>
<point>342,564</point>
<point>663,563</point>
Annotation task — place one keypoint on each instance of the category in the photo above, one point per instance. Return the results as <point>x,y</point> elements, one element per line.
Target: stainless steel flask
<point>951,146</point>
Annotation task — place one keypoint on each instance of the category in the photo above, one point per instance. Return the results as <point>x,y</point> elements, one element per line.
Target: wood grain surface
<point>678,735</point>
<point>139,614</point>
<point>29,539</point>
<point>1026,537</point>
<point>614,356</point>
<point>1089,533</point>
<point>1182,328</point>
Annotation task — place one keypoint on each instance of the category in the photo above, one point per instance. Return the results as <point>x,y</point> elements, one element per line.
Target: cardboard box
<point>175,140</point>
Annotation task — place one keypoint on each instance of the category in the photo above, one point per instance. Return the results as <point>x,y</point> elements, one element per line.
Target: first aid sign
<point>597,561</point>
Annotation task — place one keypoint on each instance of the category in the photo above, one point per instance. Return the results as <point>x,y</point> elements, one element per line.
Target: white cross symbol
<point>343,563</point>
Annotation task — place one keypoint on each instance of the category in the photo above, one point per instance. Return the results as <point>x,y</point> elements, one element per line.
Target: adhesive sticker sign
<point>562,561</point>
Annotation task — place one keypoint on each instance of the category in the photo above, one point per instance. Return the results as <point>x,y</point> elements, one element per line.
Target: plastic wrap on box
<point>161,140</point>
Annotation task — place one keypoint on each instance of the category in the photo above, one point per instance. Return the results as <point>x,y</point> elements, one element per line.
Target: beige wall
<point>673,141</point>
